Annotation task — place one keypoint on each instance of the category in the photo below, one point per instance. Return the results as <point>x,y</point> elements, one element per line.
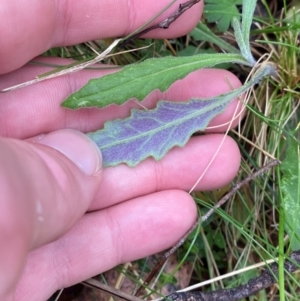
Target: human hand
<point>47,242</point>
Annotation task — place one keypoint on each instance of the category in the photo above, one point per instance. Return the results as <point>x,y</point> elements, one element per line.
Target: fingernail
<point>78,147</point>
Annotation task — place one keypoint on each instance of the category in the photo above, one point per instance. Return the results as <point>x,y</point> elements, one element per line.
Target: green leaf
<point>222,12</point>
<point>242,33</point>
<point>189,51</point>
<point>203,33</point>
<point>138,80</point>
<point>247,17</point>
<point>244,46</point>
<point>291,192</point>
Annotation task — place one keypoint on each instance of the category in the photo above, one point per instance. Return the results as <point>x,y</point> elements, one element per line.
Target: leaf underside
<point>152,133</point>
<point>138,80</point>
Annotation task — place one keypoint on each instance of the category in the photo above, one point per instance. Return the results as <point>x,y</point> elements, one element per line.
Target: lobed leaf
<point>138,80</point>
<point>154,132</point>
<point>221,12</point>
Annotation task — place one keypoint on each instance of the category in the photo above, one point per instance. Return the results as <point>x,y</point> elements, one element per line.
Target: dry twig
<point>267,278</point>
<point>163,24</point>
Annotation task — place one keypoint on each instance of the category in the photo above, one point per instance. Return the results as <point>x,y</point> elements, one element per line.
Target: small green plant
<point>170,124</point>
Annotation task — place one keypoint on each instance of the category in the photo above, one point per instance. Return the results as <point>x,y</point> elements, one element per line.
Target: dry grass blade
<point>66,70</point>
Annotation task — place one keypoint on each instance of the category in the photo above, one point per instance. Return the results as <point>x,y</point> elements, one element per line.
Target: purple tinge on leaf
<point>153,133</point>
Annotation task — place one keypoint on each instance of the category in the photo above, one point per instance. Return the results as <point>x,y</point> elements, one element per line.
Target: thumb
<point>46,186</point>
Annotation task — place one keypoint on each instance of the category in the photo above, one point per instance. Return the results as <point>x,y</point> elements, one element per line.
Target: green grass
<point>249,229</point>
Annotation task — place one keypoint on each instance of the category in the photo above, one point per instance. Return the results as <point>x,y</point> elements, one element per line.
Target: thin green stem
<point>280,238</point>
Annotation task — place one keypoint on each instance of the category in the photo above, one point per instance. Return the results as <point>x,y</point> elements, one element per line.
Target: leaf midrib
<point>167,125</point>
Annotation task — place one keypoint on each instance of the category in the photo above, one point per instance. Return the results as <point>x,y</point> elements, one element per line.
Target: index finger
<point>28,30</point>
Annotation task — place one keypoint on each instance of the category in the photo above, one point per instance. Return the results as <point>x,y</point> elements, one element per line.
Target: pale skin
<point>47,239</point>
